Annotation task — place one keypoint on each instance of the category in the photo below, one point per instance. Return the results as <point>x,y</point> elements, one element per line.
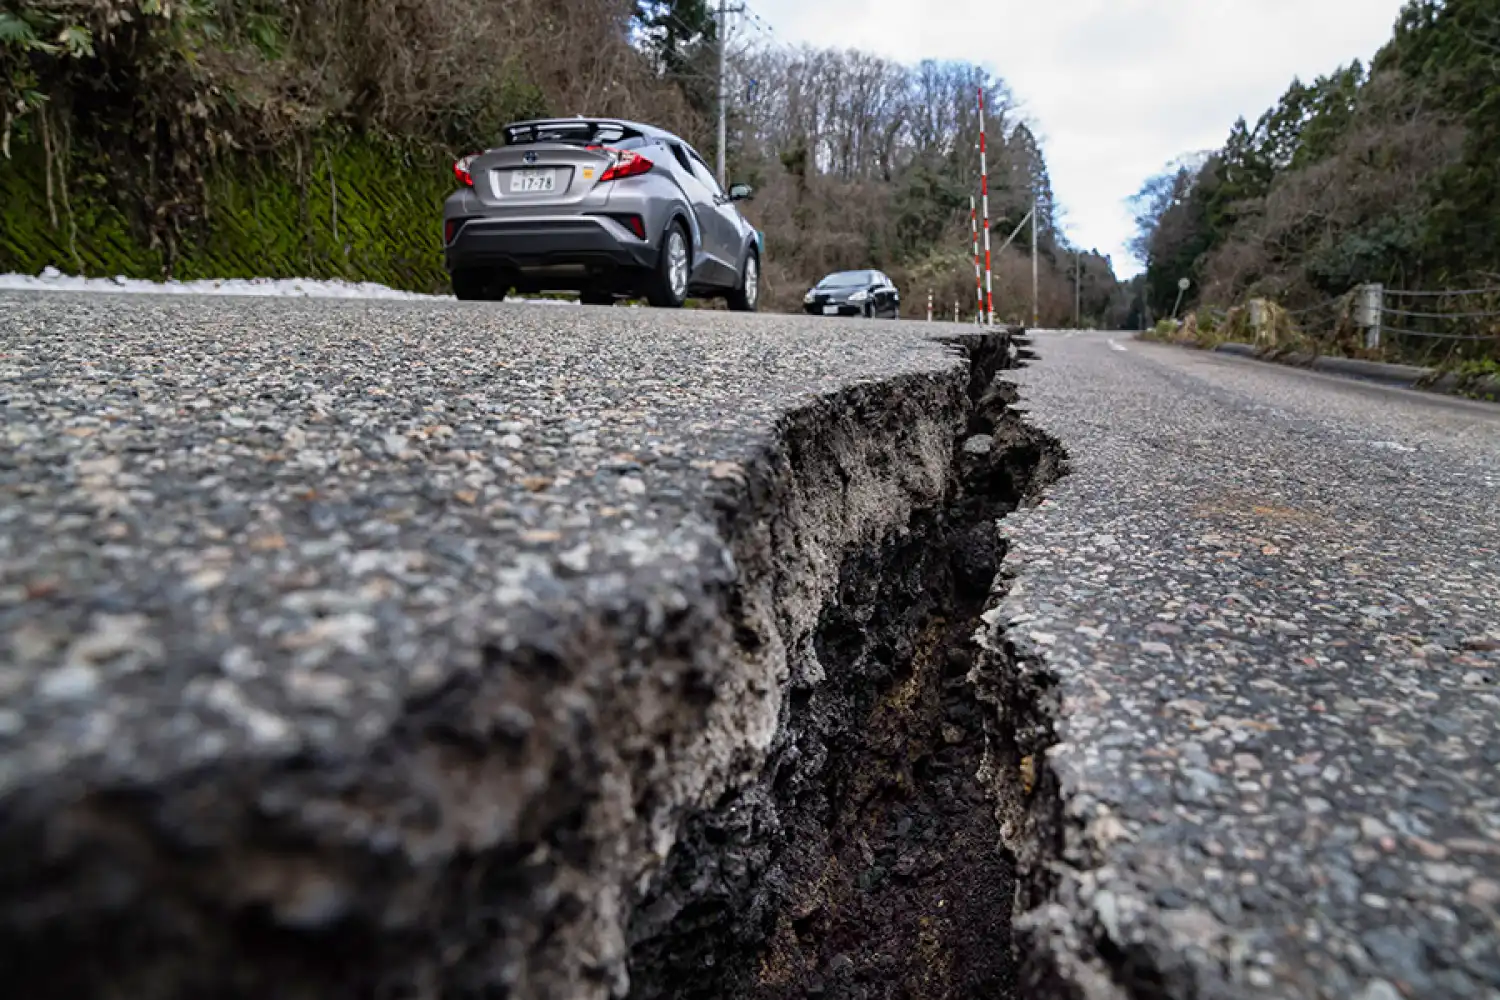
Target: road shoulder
<point>1430,380</point>
<point>1272,687</point>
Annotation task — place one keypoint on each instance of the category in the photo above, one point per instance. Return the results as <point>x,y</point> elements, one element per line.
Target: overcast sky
<point>1118,88</point>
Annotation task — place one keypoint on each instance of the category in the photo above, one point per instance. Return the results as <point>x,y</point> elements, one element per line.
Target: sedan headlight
<point>809,296</point>
<point>859,296</point>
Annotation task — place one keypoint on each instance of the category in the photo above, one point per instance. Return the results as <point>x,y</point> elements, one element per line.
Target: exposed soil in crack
<point>870,860</point>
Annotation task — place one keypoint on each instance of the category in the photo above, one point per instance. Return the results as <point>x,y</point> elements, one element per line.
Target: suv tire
<point>746,297</point>
<point>668,284</point>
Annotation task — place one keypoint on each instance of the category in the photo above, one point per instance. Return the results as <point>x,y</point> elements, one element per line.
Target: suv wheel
<point>668,286</point>
<point>746,297</point>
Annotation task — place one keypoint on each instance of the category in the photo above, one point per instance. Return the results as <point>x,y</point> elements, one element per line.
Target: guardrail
<point>1407,322</point>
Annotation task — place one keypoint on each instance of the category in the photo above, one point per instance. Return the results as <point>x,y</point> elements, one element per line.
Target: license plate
<point>830,310</point>
<point>532,181</point>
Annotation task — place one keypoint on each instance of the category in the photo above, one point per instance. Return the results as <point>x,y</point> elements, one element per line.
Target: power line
<point>1449,315</point>
<point>1400,293</point>
<point>1314,308</point>
<point>1439,336</point>
<point>759,23</point>
<point>703,77</point>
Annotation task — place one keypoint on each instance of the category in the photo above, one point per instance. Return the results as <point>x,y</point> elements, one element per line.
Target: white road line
<point>1115,345</point>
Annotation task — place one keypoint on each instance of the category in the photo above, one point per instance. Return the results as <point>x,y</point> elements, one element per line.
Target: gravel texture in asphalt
<point>362,488</point>
<point>382,648</point>
<point>1271,601</point>
<point>283,583</point>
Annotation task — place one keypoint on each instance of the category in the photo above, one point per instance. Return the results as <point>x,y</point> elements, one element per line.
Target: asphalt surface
<point>314,615</point>
<point>237,529</point>
<point>1272,601</point>
<point>361,494</point>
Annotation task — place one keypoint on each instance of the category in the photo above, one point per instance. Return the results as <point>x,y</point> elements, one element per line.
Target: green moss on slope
<point>353,208</point>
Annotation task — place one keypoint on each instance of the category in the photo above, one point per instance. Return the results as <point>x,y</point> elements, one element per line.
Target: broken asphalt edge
<point>597,732</point>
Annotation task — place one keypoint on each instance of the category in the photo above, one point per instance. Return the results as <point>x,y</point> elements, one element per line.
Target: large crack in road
<point>874,855</point>
<point>537,655</point>
<point>407,650</point>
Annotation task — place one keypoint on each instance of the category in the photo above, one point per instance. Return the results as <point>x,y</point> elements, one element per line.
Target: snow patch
<point>53,280</point>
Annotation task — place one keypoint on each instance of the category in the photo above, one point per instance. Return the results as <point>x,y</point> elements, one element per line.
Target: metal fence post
<point>1258,319</point>
<point>1371,305</point>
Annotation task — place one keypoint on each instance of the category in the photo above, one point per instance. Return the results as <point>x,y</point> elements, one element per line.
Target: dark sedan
<point>854,293</point>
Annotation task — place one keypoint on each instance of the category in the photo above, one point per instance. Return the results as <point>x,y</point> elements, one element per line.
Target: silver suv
<point>601,207</point>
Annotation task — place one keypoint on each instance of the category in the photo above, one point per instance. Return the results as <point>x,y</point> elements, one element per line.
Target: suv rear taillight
<point>627,164</point>
<point>461,171</point>
<point>451,228</point>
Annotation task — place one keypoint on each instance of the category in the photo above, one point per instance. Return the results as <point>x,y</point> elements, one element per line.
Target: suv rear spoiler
<point>573,131</point>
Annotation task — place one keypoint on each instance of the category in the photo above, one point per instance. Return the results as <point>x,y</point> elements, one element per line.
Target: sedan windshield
<point>845,279</point>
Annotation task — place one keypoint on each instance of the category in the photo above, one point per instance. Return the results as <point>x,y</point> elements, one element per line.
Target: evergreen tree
<point>681,37</point>
<point>1032,184</point>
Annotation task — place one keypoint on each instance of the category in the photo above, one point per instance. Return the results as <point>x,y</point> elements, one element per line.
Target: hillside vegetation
<point>1383,173</point>
<point>230,138</point>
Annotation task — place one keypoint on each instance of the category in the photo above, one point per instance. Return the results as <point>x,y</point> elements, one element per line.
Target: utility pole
<point>1036,303</point>
<point>1078,289</point>
<point>723,17</point>
<point>723,85</point>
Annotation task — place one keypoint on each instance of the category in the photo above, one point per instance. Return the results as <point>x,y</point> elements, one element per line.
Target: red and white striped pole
<point>978,280</point>
<point>984,193</point>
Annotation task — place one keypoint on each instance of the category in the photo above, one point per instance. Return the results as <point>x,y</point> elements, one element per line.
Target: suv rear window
<point>582,132</point>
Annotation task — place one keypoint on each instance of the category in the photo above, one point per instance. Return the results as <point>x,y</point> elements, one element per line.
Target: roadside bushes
<point>128,122</point>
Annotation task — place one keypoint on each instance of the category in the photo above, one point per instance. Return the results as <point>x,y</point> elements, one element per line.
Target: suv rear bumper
<point>520,245</point>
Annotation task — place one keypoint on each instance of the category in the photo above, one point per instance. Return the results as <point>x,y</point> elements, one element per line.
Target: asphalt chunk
<point>356,648</point>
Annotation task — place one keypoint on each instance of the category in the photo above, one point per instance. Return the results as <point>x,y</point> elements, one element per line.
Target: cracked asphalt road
<point>382,648</point>
<point>358,493</point>
<point>1272,601</point>
<point>1271,598</point>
